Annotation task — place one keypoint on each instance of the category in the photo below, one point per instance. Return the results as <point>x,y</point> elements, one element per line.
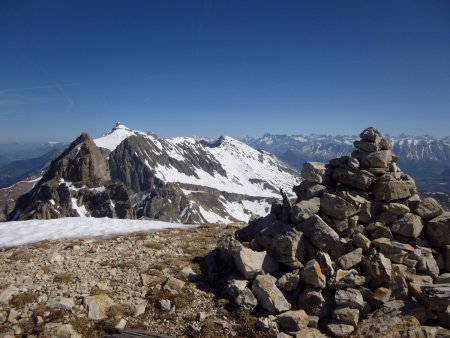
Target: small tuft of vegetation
<point>63,278</point>
<point>44,245</point>
<point>20,300</point>
<point>153,245</point>
<point>120,311</point>
<point>21,254</point>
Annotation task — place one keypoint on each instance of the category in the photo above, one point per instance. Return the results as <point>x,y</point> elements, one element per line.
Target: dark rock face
<point>78,177</point>
<point>81,162</point>
<point>375,259</point>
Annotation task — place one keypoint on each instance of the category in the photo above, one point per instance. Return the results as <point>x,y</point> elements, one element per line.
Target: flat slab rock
<point>438,229</point>
<point>389,326</point>
<point>393,190</point>
<point>337,207</point>
<point>269,296</point>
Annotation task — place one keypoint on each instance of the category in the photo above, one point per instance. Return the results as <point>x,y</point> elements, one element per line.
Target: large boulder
<point>249,263</point>
<point>304,209</point>
<point>409,225</point>
<point>390,190</point>
<point>319,233</point>
<point>284,243</point>
<point>358,179</point>
<point>337,207</point>
<point>314,172</point>
<point>429,208</point>
<point>437,230</point>
<point>98,306</point>
<point>269,296</point>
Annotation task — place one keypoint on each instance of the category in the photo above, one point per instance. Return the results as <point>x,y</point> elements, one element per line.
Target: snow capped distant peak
<point>120,125</point>
<point>119,133</point>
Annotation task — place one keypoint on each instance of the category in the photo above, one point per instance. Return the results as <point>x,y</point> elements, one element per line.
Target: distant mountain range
<point>23,162</point>
<point>426,158</point>
<point>132,174</point>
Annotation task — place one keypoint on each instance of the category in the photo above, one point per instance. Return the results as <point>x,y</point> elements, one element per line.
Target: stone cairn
<point>358,254</point>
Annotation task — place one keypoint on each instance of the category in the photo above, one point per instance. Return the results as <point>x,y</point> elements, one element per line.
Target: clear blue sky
<point>223,67</point>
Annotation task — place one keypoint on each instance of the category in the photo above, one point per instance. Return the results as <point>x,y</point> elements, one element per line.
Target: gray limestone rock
<point>325,262</point>
<point>98,306</point>
<point>371,134</point>
<point>351,298</point>
<point>284,243</point>
<point>427,264</point>
<point>346,315</point>
<point>435,297</point>
<point>61,303</point>
<point>319,233</point>
<point>367,146</point>
<point>7,294</point>
<point>268,294</point>
<point>340,329</point>
<point>442,279</point>
<point>351,259</point>
<point>314,172</point>
<point>246,300</point>
<point>361,241</point>
<point>293,320</point>
<point>289,281</point>
<point>304,209</point>
<point>398,209</point>
<point>248,262</point>
<point>378,159</point>
<point>389,326</point>
<point>354,179</point>
<point>312,274</point>
<point>403,308</point>
<point>437,230</point>
<point>390,190</point>
<point>378,267</point>
<point>429,208</point>
<point>316,302</point>
<point>409,225</point>
<point>336,206</point>
<point>347,279</point>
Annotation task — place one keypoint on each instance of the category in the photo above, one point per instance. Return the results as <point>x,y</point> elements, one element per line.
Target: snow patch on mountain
<point>119,133</point>
<point>23,232</point>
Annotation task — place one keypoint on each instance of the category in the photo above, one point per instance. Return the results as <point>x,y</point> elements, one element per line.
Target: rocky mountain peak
<point>81,163</point>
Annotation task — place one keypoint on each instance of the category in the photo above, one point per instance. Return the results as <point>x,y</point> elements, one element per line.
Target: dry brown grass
<point>55,315</point>
<point>120,311</point>
<point>153,245</point>
<point>140,236</point>
<point>21,254</point>
<point>63,278</point>
<point>97,291</point>
<point>43,245</point>
<point>125,265</point>
<point>81,325</point>
<point>20,300</point>
<point>72,244</point>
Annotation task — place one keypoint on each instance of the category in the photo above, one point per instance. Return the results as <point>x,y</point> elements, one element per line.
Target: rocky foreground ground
<point>150,282</point>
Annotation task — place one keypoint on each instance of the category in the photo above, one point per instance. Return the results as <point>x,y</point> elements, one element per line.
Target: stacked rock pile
<point>357,254</point>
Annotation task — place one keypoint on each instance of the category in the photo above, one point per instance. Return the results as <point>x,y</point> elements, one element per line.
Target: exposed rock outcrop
<point>78,183</point>
<point>369,258</point>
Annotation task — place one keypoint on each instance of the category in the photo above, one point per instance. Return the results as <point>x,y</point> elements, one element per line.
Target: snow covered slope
<point>240,168</point>
<point>23,232</point>
<point>221,181</point>
<point>112,139</point>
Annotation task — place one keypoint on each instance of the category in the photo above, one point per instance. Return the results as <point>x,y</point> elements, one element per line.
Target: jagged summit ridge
<point>357,253</point>
<point>131,174</point>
